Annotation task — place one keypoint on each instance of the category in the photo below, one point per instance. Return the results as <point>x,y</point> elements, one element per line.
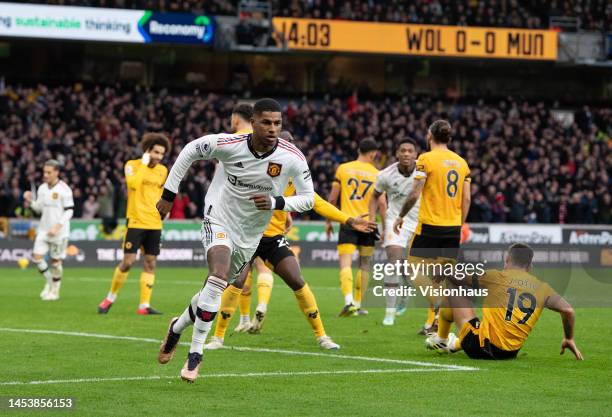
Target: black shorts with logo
<point>471,345</point>
<point>273,249</point>
<point>352,236</point>
<point>436,241</point>
<point>147,239</point>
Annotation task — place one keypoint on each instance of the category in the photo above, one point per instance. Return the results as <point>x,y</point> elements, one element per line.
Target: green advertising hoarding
<point>187,230</point>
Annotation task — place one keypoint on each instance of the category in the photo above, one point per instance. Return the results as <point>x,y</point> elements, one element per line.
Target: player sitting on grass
<point>511,309</point>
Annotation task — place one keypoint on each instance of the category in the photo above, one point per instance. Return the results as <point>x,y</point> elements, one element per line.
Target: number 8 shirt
<point>444,173</point>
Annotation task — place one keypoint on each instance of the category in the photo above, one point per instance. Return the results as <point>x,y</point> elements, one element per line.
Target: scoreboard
<point>418,40</point>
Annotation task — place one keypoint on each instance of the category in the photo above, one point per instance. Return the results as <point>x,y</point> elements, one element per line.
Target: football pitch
<point>108,365</point>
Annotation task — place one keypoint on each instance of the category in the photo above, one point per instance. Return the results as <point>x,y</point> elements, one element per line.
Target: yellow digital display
<point>408,39</point>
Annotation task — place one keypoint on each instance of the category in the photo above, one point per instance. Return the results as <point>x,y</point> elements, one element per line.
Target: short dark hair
<point>441,131</point>
<point>408,141</point>
<point>520,254</point>
<point>266,104</point>
<point>367,145</point>
<point>150,139</point>
<point>244,110</point>
<point>53,163</point>
<point>285,134</point>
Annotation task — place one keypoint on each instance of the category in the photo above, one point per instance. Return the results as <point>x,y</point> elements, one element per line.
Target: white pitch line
<point>229,375</point>
<point>359,358</point>
<point>194,283</point>
<point>249,349</point>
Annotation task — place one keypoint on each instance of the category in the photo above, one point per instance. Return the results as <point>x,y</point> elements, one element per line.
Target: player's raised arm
<point>568,317</point>
<point>134,175</point>
<point>35,204</point>
<point>200,149</point>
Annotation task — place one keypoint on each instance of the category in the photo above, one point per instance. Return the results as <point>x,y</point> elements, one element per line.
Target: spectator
<point>517,210</point>
<point>90,207</point>
<point>498,209</point>
<point>604,211</point>
<point>106,211</point>
<point>180,206</point>
<point>523,161</point>
<point>79,200</point>
<point>593,15</point>
<point>480,210</point>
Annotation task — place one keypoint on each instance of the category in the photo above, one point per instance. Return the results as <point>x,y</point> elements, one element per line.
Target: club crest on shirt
<point>55,196</point>
<point>274,169</point>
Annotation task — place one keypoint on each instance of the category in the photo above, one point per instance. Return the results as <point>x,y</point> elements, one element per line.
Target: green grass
<point>540,382</point>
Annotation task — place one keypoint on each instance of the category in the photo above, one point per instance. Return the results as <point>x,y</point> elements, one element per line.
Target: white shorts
<point>393,239</point>
<point>215,234</point>
<point>55,248</point>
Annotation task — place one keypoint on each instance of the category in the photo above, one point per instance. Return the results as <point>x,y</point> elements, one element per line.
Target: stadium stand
<point>592,15</point>
<point>527,164</point>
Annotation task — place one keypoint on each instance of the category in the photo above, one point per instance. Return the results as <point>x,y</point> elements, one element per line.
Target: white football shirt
<point>398,187</point>
<point>241,174</point>
<point>52,203</point>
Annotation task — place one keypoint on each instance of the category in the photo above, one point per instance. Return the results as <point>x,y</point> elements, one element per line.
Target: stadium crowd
<point>593,14</point>
<point>527,165</point>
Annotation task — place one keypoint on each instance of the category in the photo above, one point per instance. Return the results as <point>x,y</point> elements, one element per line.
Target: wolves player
<point>396,181</point>
<point>144,178</point>
<point>443,179</point>
<point>353,183</point>
<point>54,202</point>
<point>511,309</point>
<point>247,186</point>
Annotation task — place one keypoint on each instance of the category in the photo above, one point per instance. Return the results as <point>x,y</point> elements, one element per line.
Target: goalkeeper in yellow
<point>145,178</point>
<point>274,251</point>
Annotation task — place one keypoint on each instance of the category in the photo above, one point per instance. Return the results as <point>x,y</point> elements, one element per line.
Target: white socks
<point>43,268</point>
<point>392,283</point>
<point>209,301</point>
<point>185,320</point>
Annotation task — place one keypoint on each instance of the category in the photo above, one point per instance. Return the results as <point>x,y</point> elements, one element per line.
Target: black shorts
<point>148,240</point>
<point>351,236</point>
<point>436,241</point>
<point>470,343</point>
<point>273,249</point>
